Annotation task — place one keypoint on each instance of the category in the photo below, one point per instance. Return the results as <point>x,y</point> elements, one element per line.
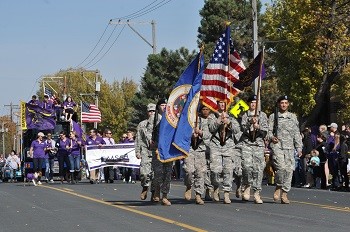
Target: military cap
<point>281,98</point>
<point>201,106</point>
<point>151,106</point>
<point>252,98</point>
<point>162,101</point>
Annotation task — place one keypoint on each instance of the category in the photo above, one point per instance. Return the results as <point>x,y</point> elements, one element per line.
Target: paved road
<point>116,207</point>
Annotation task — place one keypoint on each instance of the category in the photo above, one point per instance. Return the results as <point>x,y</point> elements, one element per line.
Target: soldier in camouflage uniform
<point>254,127</point>
<point>195,166</point>
<point>143,149</point>
<point>285,138</point>
<point>207,179</point>
<point>222,128</point>
<point>162,171</point>
<point>237,165</point>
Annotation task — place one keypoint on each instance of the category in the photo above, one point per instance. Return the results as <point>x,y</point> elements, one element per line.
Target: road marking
<point>330,207</point>
<point>344,209</point>
<point>128,208</point>
<point>67,189</point>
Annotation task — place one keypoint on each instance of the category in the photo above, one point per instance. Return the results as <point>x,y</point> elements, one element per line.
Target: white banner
<point>122,155</point>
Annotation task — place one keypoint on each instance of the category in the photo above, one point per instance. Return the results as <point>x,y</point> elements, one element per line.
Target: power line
<point>94,47</point>
<point>102,47</point>
<point>148,11</point>
<point>132,14</point>
<point>144,10</point>
<point>108,48</point>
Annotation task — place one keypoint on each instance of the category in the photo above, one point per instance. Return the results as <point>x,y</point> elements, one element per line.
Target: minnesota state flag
<point>183,134</point>
<point>176,104</point>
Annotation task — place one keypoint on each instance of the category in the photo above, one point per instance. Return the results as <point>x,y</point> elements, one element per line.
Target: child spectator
<point>313,173</point>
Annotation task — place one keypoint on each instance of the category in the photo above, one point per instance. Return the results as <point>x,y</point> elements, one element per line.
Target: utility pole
<point>129,23</point>
<point>97,86</point>
<point>97,90</point>
<point>255,39</point>
<point>3,130</point>
<point>12,107</point>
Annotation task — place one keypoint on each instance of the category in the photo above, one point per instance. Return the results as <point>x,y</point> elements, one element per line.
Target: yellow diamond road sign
<point>240,107</point>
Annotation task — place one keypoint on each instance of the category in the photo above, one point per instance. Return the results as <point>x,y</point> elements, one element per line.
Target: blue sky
<point>40,37</point>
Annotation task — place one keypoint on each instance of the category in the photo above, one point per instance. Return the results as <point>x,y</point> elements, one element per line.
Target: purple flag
<point>79,132</point>
<point>39,118</point>
<point>247,77</point>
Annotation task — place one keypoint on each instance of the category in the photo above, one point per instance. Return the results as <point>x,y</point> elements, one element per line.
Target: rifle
<point>155,129</point>
<point>275,122</point>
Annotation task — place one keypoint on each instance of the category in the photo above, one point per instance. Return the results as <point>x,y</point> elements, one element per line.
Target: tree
<point>309,43</point>
<point>162,72</point>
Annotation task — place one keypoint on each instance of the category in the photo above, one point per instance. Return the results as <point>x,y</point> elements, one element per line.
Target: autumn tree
<point>8,135</point>
<point>309,43</point>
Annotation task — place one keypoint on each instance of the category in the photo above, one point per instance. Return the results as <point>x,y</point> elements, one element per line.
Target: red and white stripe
<point>94,115</point>
<point>218,80</point>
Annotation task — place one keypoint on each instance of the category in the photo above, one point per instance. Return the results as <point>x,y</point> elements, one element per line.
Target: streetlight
<point>3,130</point>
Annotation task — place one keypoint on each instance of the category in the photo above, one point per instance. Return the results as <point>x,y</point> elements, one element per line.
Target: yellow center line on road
<point>128,208</point>
<point>330,207</point>
<point>344,209</point>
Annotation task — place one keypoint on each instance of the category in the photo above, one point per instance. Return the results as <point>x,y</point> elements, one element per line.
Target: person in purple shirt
<point>37,151</point>
<point>34,101</point>
<point>68,106</point>
<point>94,139</point>
<point>74,156</point>
<point>63,146</point>
<point>47,103</point>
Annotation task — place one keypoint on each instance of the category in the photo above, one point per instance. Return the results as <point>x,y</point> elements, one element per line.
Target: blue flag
<point>183,134</point>
<point>176,103</point>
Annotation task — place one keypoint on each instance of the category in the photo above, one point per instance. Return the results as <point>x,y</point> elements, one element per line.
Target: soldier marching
<point>227,148</point>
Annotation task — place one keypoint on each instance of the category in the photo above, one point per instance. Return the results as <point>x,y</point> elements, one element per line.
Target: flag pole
<point>258,91</point>
<point>223,130</point>
<point>198,68</point>
<point>81,113</point>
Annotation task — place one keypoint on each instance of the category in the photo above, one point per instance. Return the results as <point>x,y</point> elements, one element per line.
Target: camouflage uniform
<point>162,171</point>
<point>221,153</point>
<point>142,147</point>
<point>237,166</point>
<point>253,160</point>
<point>283,151</point>
<point>162,174</point>
<point>195,165</point>
<point>207,180</point>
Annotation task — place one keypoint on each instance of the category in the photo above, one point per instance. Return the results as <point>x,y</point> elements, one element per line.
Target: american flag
<point>90,113</point>
<point>221,73</point>
<point>49,92</point>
